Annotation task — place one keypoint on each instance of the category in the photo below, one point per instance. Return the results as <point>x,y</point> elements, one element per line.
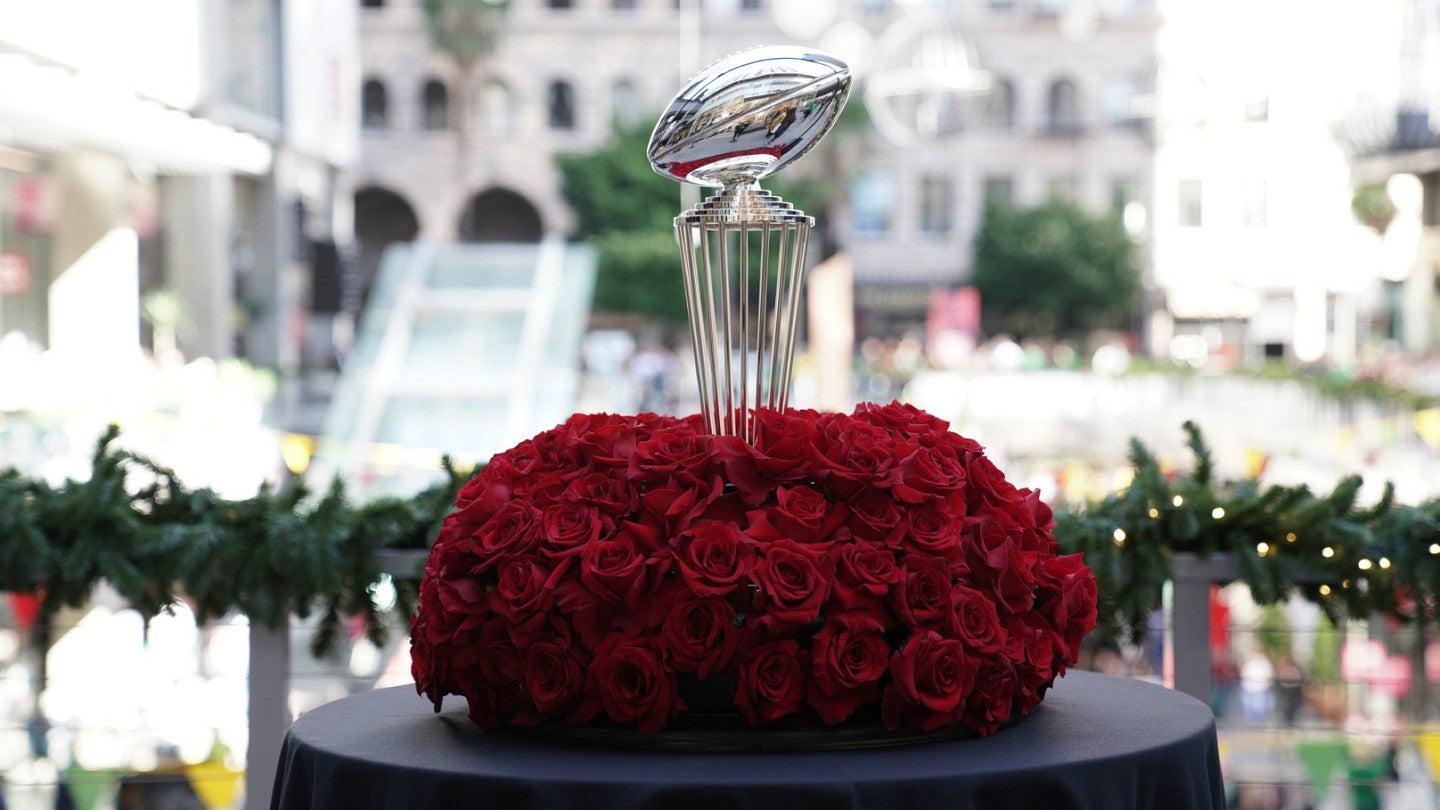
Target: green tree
<point>466,31</point>
<point>626,211</point>
<point>1054,271</point>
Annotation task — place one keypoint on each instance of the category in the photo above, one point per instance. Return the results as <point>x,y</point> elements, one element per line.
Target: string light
<point>1177,500</point>
<point>1262,549</point>
<point>1384,562</point>
<point>1345,584</point>
<point>1364,565</point>
<point>1155,513</point>
<point>1435,548</point>
<point>1119,537</point>
<point>1327,552</point>
<point>1217,513</point>
<point>1290,537</point>
<point>1324,590</point>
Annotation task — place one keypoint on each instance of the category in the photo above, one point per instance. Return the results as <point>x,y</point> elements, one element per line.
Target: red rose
<point>777,454</point>
<point>633,683</point>
<point>864,573</point>
<point>481,497</point>
<point>848,658</point>
<point>1036,641</point>
<point>851,456</point>
<point>675,453</point>
<point>927,473</point>
<point>569,526</point>
<point>976,621</point>
<point>554,678</point>
<point>609,495</point>
<point>931,678</point>
<point>935,531</point>
<point>902,418</point>
<point>514,530</point>
<point>498,657</point>
<point>1066,594</point>
<point>524,592</point>
<point>997,562</point>
<point>674,507</point>
<point>793,582</point>
<point>993,701</point>
<point>924,598</point>
<point>874,516</point>
<point>713,557</point>
<point>800,513</point>
<point>615,570</point>
<point>698,633</point>
<point>771,682</point>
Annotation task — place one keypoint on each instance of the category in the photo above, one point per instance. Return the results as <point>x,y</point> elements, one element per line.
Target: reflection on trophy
<point>743,249</point>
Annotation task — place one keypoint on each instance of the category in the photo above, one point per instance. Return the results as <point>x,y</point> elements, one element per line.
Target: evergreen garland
<point>1349,559</point>
<point>134,525</point>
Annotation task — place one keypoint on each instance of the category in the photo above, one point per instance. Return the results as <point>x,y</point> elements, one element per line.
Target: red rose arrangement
<point>836,562</point>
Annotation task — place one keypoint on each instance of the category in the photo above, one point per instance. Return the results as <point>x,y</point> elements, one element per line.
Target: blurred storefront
<point>195,148</point>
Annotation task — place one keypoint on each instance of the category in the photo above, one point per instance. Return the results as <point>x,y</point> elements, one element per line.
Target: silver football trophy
<point>743,249</point>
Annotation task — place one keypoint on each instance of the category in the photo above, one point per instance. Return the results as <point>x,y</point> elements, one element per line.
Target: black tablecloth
<point>1096,742</point>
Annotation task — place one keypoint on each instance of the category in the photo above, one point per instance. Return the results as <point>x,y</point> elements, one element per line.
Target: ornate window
<point>374,105</point>
<point>561,105</point>
<point>1062,107</point>
<point>436,100</point>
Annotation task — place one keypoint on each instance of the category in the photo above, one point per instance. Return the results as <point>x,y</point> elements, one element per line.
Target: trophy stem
<point>743,252</point>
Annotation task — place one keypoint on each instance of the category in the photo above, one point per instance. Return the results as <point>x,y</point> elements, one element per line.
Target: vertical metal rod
<point>728,328</point>
<point>691,272</point>
<point>760,319</point>
<point>707,295</point>
<point>743,342</point>
<point>797,272</point>
<point>779,317</point>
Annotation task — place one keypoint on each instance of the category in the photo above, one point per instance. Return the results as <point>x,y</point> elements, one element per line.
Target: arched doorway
<point>500,215</point>
<point>382,217</point>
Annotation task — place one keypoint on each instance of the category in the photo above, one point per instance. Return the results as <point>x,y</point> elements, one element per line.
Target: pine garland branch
<point>1348,558</point>
<point>134,525</point>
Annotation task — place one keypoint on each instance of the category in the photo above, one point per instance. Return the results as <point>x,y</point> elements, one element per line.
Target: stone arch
<point>500,215</point>
<point>382,217</point>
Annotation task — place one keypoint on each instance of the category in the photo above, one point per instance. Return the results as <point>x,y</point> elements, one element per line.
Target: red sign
<point>14,273</point>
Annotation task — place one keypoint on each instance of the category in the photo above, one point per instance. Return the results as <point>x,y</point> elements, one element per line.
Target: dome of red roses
<point>835,564</point>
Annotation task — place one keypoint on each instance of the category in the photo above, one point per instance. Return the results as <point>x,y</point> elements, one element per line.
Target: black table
<point>1096,742</point>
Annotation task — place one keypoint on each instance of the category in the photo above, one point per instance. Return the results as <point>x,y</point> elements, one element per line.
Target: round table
<point>1096,742</point>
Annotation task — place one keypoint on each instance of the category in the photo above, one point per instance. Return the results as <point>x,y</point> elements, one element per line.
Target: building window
<point>1000,190</point>
<point>1257,203</point>
<point>495,109</point>
<point>622,5</point>
<point>625,102</point>
<point>750,5</point>
<point>374,113</point>
<point>936,201</point>
<point>872,199</point>
<point>1062,107</point>
<point>1188,198</point>
<point>1000,105</point>
<point>558,4</point>
<point>372,3</point>
<point>436,98</point>
<point>561,105</point>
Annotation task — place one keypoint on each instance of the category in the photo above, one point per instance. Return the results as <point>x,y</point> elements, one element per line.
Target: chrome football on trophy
<point>743,249</point>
